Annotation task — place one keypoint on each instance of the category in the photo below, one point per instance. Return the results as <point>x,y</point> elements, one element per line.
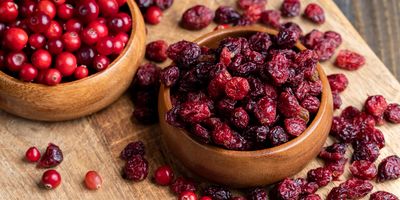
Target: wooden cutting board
<point>94,142</point>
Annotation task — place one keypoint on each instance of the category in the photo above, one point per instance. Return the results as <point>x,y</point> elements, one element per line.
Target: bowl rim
<point>165,91</point>
<point>98,75</point>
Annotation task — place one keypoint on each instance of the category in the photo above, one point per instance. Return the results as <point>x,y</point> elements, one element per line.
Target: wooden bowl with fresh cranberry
<point>77,98</point>
<point>243,169</point>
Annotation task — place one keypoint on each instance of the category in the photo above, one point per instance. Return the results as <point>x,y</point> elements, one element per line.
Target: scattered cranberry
<point>157,51</point>
<point>290,8</point>
<point>197,17</point>
<point>136,169</point>
<point>392,113</point>
<point>51,179</point>
<point>187,195</point>
<point>15,39</point>
<point>93,180</point>
<point>271,18</point>
<point>314,13</point>
<point>321,176</point>
<point>181,185</point>
<point>28,72</point>
<point>52,157</point>
<point>382,195</point>
<point>153,15</point>
<point>338,82</point>
<point>389,169</point>
<point>32,154</point>
<point>257,194</point>
<point>349,60</point>
<point>287,189</point>
<point>132,149</point>
<point>164,175</point>
<point>226,15</point>
<point>363,169</point>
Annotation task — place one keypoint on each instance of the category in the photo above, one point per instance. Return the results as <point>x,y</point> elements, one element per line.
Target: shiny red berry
<point>54,31</point>
<point>55,46</point>
<point>93,180</point>
<point>101,62</point>
<point>15,39</point>
<point>105,46</point>
<point>32,154</point>
<point>81,72</point>
<point>39,22</point>
<point>73,25</point>
<point>123,37</point>
<point>89,36</point>
<point>187,195</point>
<point>27,8</point>
<point>153,15</point>
<point>118,46</point>
<point>52,77</point>
<point>41,59</point>
<point>8,11</point>
<point>65,11</point>
<point>71,41</point>
<point>87,10</point>
<point>37,41</point>
<point>15,60</point>
<point>101,28</point>
<point>47,7</point>
<point>51,179</point>
<point>164,175</point>
<point>108,7</point>
<point>28,72</point>
<point>66,63</point>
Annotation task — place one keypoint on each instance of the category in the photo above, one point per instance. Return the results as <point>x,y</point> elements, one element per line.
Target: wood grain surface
<point>94,142</point>
<point>378,22</point>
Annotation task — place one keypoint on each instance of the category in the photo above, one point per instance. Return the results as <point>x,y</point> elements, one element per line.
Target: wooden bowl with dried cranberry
<point>61,60</point>
<point>241,124</point>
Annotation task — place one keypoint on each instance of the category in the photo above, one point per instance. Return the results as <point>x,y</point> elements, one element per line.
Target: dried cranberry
<point>278,68</point>
<point>338,193</point>
<point>337,100</point>
<point>197,17</point>
<point>349,60</point>
<point>295,126</point>
<point>389,169</point>
<point>253,13</point>
<point>312,38</point>
<point>147,75</point>
<point>321,176</point>
<point>288,105</point>
<point>136,169</point>
<point>201,133</point>
<point>257,134</point>
<point>356,188</point>
<point>169,75</point>
<point>382,195</point>
<point>338,82</point>
<point>157,51</point>
<point>271,18</point>
<point>336,167</point>
<point>184,53</point>
<point>265,111</point>
<point>218,84</point>
<point>333,37</point>
<point>246,4</point>
<point>333,152</point>
<point>132,149</point>
<point>392,113</point>
<point>372,135</point>
<point>310,197</point>
<point>290,8</point>
<point>375,105</point>
<point>239,118</point>
<point>237,88</point>
<point>286,190</point>
<point>363,169</point>
<point>217,192</point>
<point>311,103</point>
<point>287,37</point>
<point>365,151</point>
<point>194,112</point>
<point>223,135</point>
<point>314,13</point>
<point>260,42</point>
<point>257,194</point>
<point>226,15</point>
<point>146,115</point>
<point>52,157</point>
<point>182,184</point>
<point>325,49</point>
<point>277,136</point>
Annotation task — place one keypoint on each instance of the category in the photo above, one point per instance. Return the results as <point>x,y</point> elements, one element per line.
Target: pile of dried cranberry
<point>53,41</point>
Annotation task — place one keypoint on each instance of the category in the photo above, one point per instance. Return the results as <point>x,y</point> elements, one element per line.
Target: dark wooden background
<point>378,21</point>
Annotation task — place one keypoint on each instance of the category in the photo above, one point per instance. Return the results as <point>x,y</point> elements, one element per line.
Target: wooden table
<point>378,22</point>
<point>94,142</point>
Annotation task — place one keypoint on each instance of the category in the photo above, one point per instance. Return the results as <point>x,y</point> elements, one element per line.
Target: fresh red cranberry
<point>37,41</point>
<point>87,10</point>
<point>54,31</point>
<point>105,46</point>
<point>55,46</point>
<point>132,149</point>
<point>157,51</point>
<point>136,169</point>
<point>81,72</point>
<point>65,11</point>
<point>271,18</point>
<point>108,7</point>
<point>187,195</point>
<point>118,46</point>
<point>51,179</point>
<point>53,155</point>
<point>217,192</point>
<point>382,195</point>
<point>197,17</point>
<point>290,8</point>
<point>39,22</point>
<point>32,154</point>
<point>93,180</point>
<point>100,62</point>
<point>15,60</point>
<point>73,25</point>
<point>349,60</point>
<point>41,59</point>
<point>207,198</point>
<point>15,39</point>
<point>121,22</point>
<point>246,4</point>
<point>363,169</point>
<point>8,11</point>
<point>71,41</point>
<point>59,2</point>
<point>314,13</point>
<point>66,63</point>
<point>153,15</point>
<point>392,113</point>
<point>375,105</point>
<point>123,37</point>
<point>47,7</point>
<point>389,169</point>
<point>85,56</point>
<point>27,8</point>
<point>89,36</point>
<point>121,2</point>
<point>164,175</point>
<point>226,15</point>
<point>100,28</point>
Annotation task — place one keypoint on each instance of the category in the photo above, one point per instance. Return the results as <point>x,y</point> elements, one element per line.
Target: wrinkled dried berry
<point>52,157</point>
<point>389,169</point>
<point>288,105</point>
<point>201,133</point>
<point>157,51</point>
<point>357,188</point>
<point>182,185</point>
<point>290,8</point>
<point>277,136</point>
<point>194,112</point>
<point>295,126</point>
<point>286,190</point>
<point>349,60</point>
<point>363,169</point>
<point>147,75</point>
<point>382,195</point>
<point>239,118</point>
<point>260,42</point>
<point>333,152</point>
<point>136,169</point>
<point>257,134</point>
<point>338,193</point>
<point>246,4</point>
<point>217,192</point>
<point>237,88</point>
<point>287,37</point>
<point>314,13</point>
<point>133,149</point>
<point>337,100</point>
<point>184,53</point>
<point>375,105</point>
<point>257,194</point>
<point>311,103</point>
<point>392,113</point>
<point>338,82</point>
<point>226,15</point>
<point>197,17</point>
<point>333,37</point>
<point>169,75</point>
<point>310,197</point>
<point>271,18</point>
<point>321,176</point>
<point>365,151</point>
<point>265,111</point>
<point>336,167</point>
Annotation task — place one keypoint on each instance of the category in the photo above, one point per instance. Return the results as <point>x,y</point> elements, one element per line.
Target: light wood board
<point>94,142</point>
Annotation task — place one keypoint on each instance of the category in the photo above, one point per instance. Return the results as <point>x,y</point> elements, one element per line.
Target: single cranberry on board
<point>197,17</point>
<point>164,175</point>
<point>349,60</point>
<point>389,169</point>
<point>392,113</point>
<point>136,168</point>
<point>32,154</point>
<point>181,185</point>
<point>187,195</point>
<point>51,179</point>
<point>314,13</point>
<point>153,15</point>
<point>290,8</point>
<point>52,157</point>
<point>93,180</point>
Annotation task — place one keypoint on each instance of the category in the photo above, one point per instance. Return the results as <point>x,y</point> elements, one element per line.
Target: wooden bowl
<point>242,169</point>
<point>78,98</point>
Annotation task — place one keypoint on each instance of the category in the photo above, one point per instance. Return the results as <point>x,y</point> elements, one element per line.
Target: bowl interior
<point>212,40</point>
